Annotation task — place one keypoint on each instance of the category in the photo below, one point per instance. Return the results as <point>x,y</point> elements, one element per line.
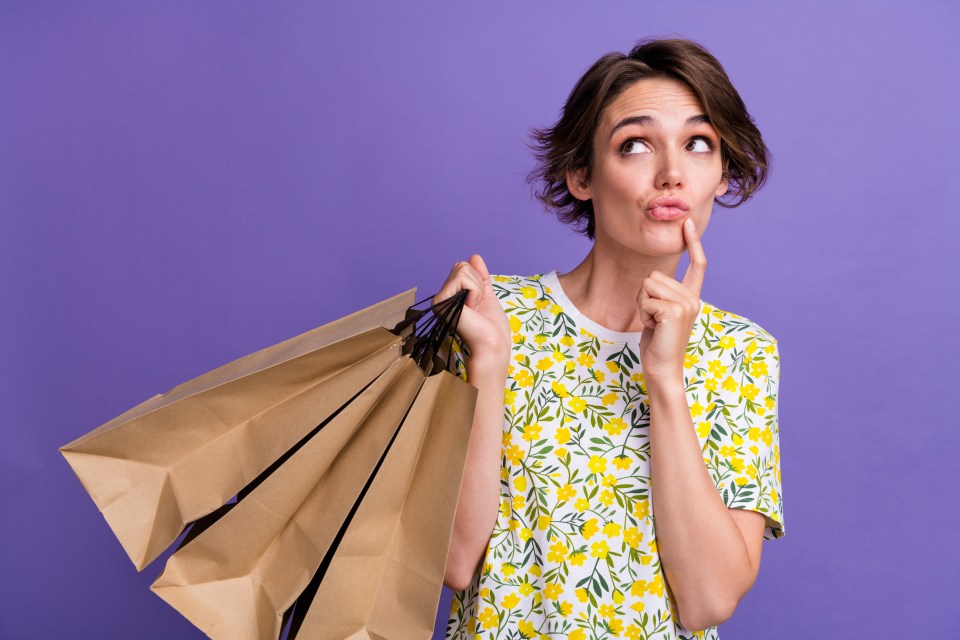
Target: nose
<point>669,173</point>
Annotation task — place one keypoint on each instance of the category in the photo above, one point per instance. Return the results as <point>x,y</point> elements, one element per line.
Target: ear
<point>724,181</point>
<point>577,185</point>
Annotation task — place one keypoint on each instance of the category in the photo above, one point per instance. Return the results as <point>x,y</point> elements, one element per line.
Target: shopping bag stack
<point>317,479</point>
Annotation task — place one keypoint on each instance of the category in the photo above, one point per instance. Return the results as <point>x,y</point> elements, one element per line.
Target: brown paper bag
<point>238,577</point>
<point>181,455</point>
<point>385,576</point>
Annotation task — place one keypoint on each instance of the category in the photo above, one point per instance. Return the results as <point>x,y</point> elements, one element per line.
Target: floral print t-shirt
<point>573,554</point>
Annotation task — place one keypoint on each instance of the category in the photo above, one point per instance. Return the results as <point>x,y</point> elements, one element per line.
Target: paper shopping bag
<point>385,576</point>
<point>181,455</point>
<point>236,579</point>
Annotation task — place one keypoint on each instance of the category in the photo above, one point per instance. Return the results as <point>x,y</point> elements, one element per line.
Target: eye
<point>705,144</point>
<point>633,146</point>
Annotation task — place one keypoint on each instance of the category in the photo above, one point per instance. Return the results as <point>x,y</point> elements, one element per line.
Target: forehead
<point>665,99</point>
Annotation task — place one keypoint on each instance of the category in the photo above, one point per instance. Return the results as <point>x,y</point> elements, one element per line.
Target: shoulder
<point>733,342</point>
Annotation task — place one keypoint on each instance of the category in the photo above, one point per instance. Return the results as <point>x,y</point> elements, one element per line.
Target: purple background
<point>183,183</point>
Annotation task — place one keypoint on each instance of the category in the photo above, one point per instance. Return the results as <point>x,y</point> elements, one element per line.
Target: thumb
<point>477,263</point>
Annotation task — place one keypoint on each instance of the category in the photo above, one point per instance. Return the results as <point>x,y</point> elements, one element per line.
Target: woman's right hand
<point>483,325</point>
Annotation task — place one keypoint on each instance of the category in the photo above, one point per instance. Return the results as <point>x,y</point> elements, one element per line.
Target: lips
<point>668,208</point>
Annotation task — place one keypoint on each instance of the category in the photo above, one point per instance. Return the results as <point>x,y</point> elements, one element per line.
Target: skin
<point>710,554</point>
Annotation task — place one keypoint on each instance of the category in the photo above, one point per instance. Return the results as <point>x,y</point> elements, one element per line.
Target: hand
<point>483,325</point>
<point>669,309</point>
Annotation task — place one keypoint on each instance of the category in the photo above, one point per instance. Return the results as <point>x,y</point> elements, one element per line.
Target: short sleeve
<point>739,425</point>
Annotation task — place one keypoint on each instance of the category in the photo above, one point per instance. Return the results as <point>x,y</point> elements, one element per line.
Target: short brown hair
<point>568,145</point>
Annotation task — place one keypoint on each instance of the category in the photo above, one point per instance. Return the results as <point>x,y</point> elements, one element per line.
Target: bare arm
<point>480,489</point>
<point>710,554</point>
<point>484,327</point>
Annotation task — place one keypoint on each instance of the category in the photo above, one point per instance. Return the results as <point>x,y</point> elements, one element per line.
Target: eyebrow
<point>650,120</point>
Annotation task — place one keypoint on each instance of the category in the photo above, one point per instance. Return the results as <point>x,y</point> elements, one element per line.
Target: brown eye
<point>633,146</point>
<point>706,145</point>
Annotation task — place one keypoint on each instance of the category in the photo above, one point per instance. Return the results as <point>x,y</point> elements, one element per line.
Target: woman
<point>612,398</point>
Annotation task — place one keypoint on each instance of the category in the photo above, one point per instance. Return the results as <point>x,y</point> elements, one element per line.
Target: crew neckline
<point>552,280</point>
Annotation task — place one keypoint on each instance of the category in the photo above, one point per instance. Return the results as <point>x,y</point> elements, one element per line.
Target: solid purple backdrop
<point>182,183</point>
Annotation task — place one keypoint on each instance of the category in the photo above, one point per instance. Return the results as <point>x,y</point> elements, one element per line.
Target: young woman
<point>624,466</point>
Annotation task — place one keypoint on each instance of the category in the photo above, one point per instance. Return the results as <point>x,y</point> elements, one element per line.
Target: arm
<point>710,554</point>
<point>484,327</point>
<point>480,490</point>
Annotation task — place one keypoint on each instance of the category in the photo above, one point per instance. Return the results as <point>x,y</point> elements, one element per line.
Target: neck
<point>605,285</point>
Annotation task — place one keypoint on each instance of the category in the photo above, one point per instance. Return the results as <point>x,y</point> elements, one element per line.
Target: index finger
<point>693,278</point>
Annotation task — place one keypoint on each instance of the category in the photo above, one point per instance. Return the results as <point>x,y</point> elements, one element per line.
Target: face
<point>653,142</point>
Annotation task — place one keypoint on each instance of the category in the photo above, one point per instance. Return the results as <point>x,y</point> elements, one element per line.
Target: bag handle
<point>426,330</point>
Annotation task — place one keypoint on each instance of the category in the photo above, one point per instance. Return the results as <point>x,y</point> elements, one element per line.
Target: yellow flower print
<point>751,347</point>
<point>696,409</point>
<point>758,368</point>
<point>599,376</point>
<point>531,432</point>
<point>560,452</point>
<point>607,497</point>
<point>615,426</point>
<point>655,586</point>
<point>566,609</point>
<point>528,292</point>
<point>727,451</point>
<point>565,492</point>
<point>488,618</point>
<point>544,363</point>
<point>542,303</point>
<point>639,588</point>
<point>553,590</point>
<point>617,597</point>
<point>515,454</point>
<point>518,502</point>
<point>581,505</point>
<point>566,341</point>
<point>525,534</point>
<point>526,588</point>
<point>515,324</point>
<point>606,610</point>
<point>523,378</point>
<point>589,528</point>
<point>632,536</point>
<point>730,384</point>
<point>740,480</point>
<point>773,495</point>
<point>509,397</point>
<point>543,522</point>
<point>526,628</point>
<point>767,436</point>
<point>638,606</point>
<point>501,279</point>
<point>560,389</point>
<point>556,309</point>
<point>609,399</point>
<point>578,404</point>
<point>510,601</point>
<point>754,433</point>
<point>737,438</point>
<point>652,545</point>
<point>748,391</point>
<point>703,429</point>
<point>611,529</point>
<point>535,570</point>
<point>622,463</point>
<point>616,626</point>
<point>633,631</point>
<point>570,366</point>
<point>641,509</point>
<point>585,359</point>
<point>769,348</point>
<point>754,450</point>
<point>582,595</point>
<point>505,508</point>
<point>769,403</point>
<point>726,342</point>
<point>737,464</point>
<point>576,559</point>
<point>711,384</point>
<point>599,549</point>
<point>558,356</point>
<point>558,552</point>
<point>716,368</point>
<point>597,464</point>
<point>577,634</point>
<point>689,360</point>
<point>613,366</point>
<point>520,483</point>
<point>752,471</point>
<point>562,435</point>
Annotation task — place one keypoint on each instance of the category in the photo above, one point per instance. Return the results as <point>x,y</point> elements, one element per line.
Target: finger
<point>656,288</point>
<point>481,267</point>
<point>682,294</point>
<point>662,311</point>
<point>462,276</point>
<point>646,319</point>
<point>693,278</point>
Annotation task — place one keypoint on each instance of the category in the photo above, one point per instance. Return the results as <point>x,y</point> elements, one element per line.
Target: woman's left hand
<point>668,310</point>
